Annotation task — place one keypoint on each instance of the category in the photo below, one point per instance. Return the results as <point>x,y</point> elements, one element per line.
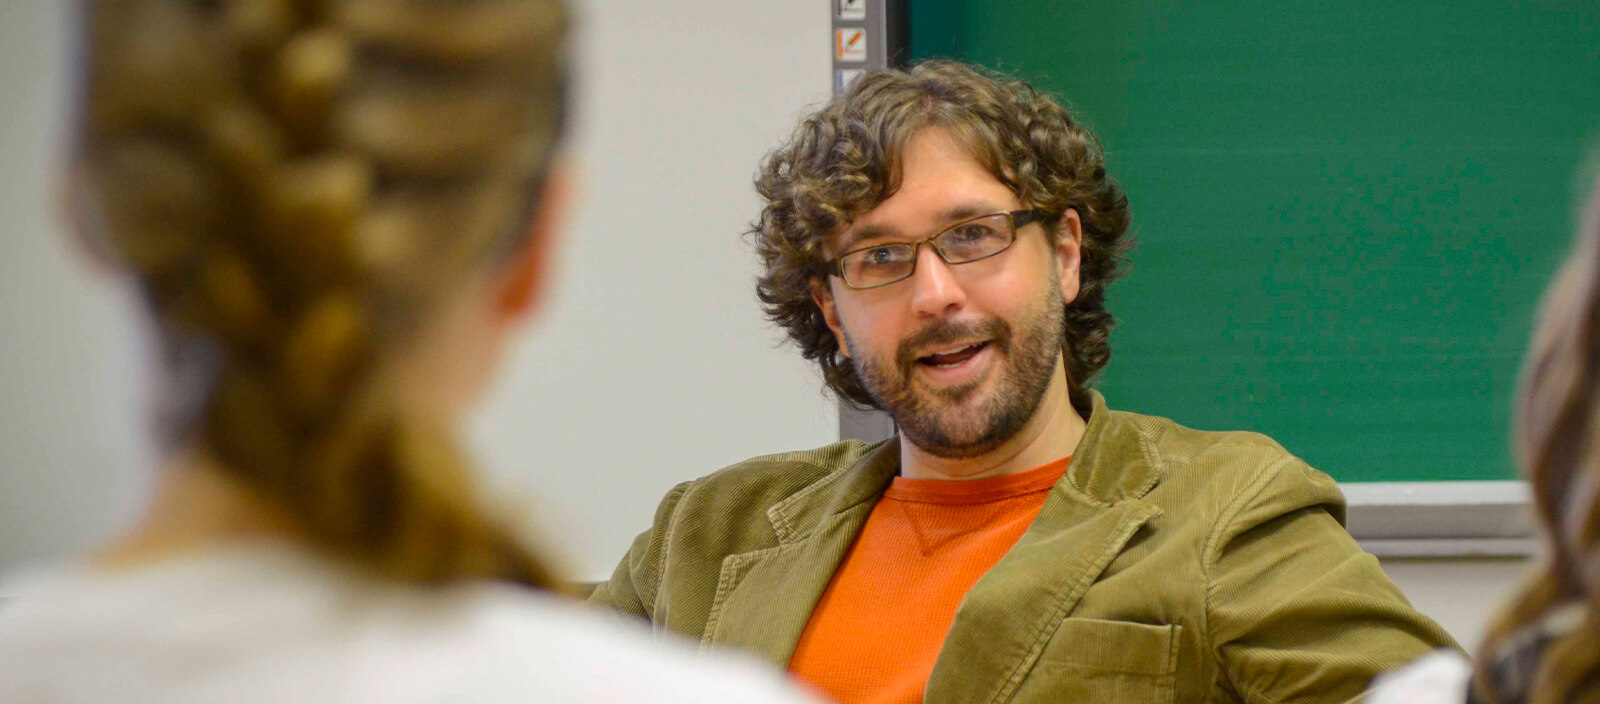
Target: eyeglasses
<point>962,243</point>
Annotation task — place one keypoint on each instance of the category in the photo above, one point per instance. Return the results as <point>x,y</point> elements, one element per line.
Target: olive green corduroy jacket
<point>1167,565</point>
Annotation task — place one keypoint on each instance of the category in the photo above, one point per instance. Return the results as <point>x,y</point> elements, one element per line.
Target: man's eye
<point>880,255</point>
<point>968,234</point>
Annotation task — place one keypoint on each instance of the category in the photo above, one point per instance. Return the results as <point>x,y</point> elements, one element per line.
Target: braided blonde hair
<point>296,184</point>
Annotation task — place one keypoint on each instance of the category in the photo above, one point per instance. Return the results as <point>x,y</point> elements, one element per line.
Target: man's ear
<point>823,297</point>
<point>523,282</point>
<point>1069,253</point>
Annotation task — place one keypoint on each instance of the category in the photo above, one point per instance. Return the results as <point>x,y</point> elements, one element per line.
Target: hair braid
<point>296,183</point>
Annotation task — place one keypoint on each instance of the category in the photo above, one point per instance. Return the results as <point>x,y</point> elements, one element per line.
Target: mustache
<point>942,332</point>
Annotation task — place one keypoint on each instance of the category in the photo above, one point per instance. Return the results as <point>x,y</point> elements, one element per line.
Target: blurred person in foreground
<point>337,213</point>
<point>1018,540</point>
<point>1544,646</point>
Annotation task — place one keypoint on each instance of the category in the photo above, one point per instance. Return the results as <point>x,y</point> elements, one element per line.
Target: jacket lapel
<point>1007,618</point>
<point>764,598</point>
<point>1009,615</point>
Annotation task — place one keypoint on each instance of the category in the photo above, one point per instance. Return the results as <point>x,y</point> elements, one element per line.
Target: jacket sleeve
<point>632,587</point>
<point>1297,612</point>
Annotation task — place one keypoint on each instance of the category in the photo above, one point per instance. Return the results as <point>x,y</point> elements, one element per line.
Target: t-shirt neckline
<point>978,491</point>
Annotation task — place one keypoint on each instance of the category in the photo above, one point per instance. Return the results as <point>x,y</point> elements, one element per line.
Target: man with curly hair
<point>1017,540</point>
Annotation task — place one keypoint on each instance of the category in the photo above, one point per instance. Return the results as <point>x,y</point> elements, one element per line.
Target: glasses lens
<point>879,265</point>
<point>975,239</point>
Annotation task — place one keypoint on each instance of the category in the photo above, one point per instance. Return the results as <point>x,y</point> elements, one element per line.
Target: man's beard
<point>936,420</point>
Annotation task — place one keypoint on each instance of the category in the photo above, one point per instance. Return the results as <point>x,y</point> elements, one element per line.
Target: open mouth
<point>953,357</point>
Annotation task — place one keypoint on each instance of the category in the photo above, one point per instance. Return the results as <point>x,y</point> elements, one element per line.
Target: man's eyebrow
<point>967,211</point>
<point>948,216</point>
<point>867,232</point>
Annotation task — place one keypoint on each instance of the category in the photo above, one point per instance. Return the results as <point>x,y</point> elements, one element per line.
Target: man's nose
<point>934,289</point>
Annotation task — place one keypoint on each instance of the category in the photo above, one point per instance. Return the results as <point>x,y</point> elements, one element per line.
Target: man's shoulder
<point>768,479</point>
<point>1174,453</point>
<point>815,461</point>
<point>1173,442</point>
<point>1226,466</point>
<point>734,501</point>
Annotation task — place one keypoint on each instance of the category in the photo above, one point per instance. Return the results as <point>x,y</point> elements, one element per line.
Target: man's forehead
<point>940,177</point>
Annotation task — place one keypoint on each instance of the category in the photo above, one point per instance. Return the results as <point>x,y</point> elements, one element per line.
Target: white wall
<point>71,463</point>
<point>655,365</point>
<point>1460,594</point>
<point>652,366</point>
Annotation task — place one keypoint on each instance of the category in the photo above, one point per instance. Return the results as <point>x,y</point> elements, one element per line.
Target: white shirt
<point>272,623</point>
<point>1440,678</point>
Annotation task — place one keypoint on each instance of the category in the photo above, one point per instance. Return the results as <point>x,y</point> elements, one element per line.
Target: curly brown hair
<point>844,160</point>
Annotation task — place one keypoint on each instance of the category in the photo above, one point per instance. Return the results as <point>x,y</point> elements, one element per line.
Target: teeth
<point>955,350</point>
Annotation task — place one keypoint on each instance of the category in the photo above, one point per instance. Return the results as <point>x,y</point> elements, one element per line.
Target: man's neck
<point>1051,434</point>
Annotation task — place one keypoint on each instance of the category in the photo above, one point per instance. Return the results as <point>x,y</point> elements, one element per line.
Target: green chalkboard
<point>1346,210</point>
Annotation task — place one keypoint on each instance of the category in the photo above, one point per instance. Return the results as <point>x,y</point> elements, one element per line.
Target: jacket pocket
<point>1091,660</point>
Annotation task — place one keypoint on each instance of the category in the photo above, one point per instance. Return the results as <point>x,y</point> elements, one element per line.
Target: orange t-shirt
<point>878,627</point>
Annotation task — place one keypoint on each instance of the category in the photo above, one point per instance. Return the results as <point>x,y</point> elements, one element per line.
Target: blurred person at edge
<point>1544,647</point>
<point>336,213</point>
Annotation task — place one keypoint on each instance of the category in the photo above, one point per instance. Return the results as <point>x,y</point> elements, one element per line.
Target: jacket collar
<point>858,483</point>
<point>764,598</point>
<point>1116,460</point>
